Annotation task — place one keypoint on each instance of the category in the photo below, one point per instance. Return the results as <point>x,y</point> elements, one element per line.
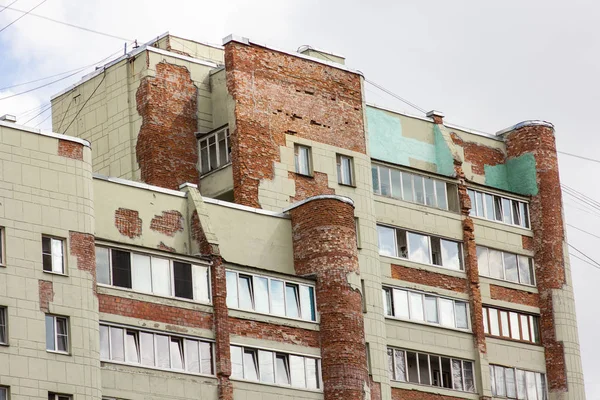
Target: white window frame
<point>543,379</point>
<point>171,273</point>
<point>285,282</point>
<point>342,178</point>
<point>532,321</point>
<point>57,396</point>
<point>4,328</point>
<point>55,337</point>
<point>4,390</point>
<point>424,321</point>
<point>480,210</point>
<point>503,279</point>
<point>205,139</point>
<point>2,247</point>
<point>63,266</point>
<point>308,160</point>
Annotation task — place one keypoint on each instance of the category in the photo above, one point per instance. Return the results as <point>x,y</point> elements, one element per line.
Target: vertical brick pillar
<point>222,350</point>
<point>557,307</point>
<point>324,239</point>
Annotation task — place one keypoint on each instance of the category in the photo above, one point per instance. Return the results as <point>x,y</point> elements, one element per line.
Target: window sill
<point>273,319</point>
<point>427,267</point>
<point>308,176</point>
<point>4,344</point>
<point>175,371</point>
<point>434,389</point>
<point>349,185</point>
<point>215,170</point>
<point>537,346</point>
<point>423,323</point>
<point>56,273</point>
<point>62,353</point>
<point>492,223</point>
<point>153,298</point>
<point>417,206</point>
<point>289,387</point>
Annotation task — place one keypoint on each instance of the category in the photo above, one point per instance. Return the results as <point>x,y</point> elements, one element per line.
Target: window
<point>415,306</point>
<point>515,383</point>
<point>302,159</point>
<point>506,266</point>
<point>57,334</point>
<point>155,350</point>
<point>54,396</point>
<point>151,274</point>
<point>431,370</point>
<point>419,248</point>
<point>215,150</point>
<point>3,326</point>
<point>270,296</point>
<point>407,186</point>
<point>345,170</point>
<point>1,252</point>
<point>498,208</point>
<point>511,324</point>
<point>275,368</point>
<point>3,393</point>
<point>52,255</point>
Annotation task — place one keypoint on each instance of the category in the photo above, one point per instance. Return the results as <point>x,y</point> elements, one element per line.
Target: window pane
<point>222,150</point>
<point>531,389</point>
<point>500,382</point>
<point>237,365</point>
<point>450,254</point>
<point>401,245</point>
<point>375,178</point>
<point>3,395</point>
<point>457,380</point>
<point>504,323</point>
<point>436,251</point>
<point>431,311</point>
<point>479,203</point>
<point>297,371</point>
<point>424,369</point>
<point>346,169</point>
<point>486,328</point>
<point>384,181</point>
<point>516,213</point>
<point>277,297</point>
<point>3,332</point>
<point>206,358</point>
<point>483,261</point>
<point>407,186</point>
<point>496,268</point>
<point>400,303</point>
<point>201,285</point>
<point>162,351</point>
<point>387,301</point>
<point>390,354</point>
<point>418,246</point>
<point>161,277</point>
<point>104,352</point>
<point>232,293</point>
<point>387,244</point>
<point>121,268</point>
<point>497,208</point>
<point>212,152</point>
<point>265,360</point>
<point>506,207</point>
<point>47,262</point>
<point>141,278</point>
<point>540,384</point>
<point>429,192</point>
<point>291,301</point>
<point>131,347</point>
<point>176,353</point>
<point>204,156</point>
<point>303,160</point>
<point>182,274</point>
<point>510,267</point>
<point>524,327</point>
<point>525,270</point>
<point>440,192</point>
<point>396,184</point>
<point>446,312</point>
<point>494,323</point>
<point>416,306</point>
<point>50,345</point>
<point>419,191</point>
<point>436,372</point>
<point>116,344</point>
<point>245,292</point>
<point>473,210</point>
<point>469,377</point>
<point>411,367</point>
<point>192,356</point>
<point>62,343</point>
<point>511,389</point>
<point>400,366</point>
<point>312,373</point>
<point>462,319</point>
<point>250,366</point>
<point>261,294</point>
<point>282,369</point>
<point>307,302</point>
<point>514,326</point>
<point>524,214</point>
<point>534,326</point>
<point>57,256</point>
<point>147,348</point>
<point>446,373</point>
<point>493,380</point>
<point>102,265</point>
<point>489,206</point>
<point>521,385</point>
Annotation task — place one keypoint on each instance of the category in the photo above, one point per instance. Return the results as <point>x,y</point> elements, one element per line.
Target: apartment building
<point>236,222</point>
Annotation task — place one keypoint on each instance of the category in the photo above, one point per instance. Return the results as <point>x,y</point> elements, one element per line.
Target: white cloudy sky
<point>487,66</point>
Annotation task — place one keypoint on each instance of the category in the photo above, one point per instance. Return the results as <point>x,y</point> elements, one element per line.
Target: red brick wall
<point>169,223</point>
<point>69,149</point>
<point>429,278</point>
<point>83,247</point>
<point>46,294</point>
<point>514,296</point>
<point>310,186</point>
<point>527,242</point>
<point>166,149</point>
<point>128,222</point>
<point>479,155</point>
<point>277,93</point>
<point>324,242</point>
<point>277,333</point>
<point>406,394</point>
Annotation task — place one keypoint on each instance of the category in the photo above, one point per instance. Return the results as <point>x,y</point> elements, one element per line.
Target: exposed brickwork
<point>69,149</point>
<point>527,242</point>
<point>164,247</point>
<point>166,148</point>
<point>310,186</point>
<point>429,278</point>
<point>277,93</point>
<point>324,242</point>
<point>46,290</point>
<point>375,390</point>
<point>514,296</point>
<point>276,333</point>
<point>169,223</point>
<point>128,222</point>
<point>154,312</point>
<point>479,155</point>
<point>83,247</point>
<point>407,394</point>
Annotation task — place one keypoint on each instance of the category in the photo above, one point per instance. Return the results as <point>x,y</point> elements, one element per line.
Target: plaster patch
<point>517,175</point>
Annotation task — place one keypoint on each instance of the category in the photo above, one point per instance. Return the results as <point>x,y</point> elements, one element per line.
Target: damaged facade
<point>235,222</point>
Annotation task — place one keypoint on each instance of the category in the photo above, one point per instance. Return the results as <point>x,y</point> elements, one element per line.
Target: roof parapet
<point>530,122</point>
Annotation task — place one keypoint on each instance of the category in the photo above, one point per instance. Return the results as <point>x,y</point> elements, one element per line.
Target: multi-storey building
<point>237,223</point>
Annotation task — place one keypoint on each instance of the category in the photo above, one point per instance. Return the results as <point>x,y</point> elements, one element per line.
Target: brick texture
<point>169,223</point>
<point>277,93</point>
<point>46,290</point>
<point>429,278</point>
<point>82,246</point>
<point>164,247</point>
<point>154,312</point>
<point>276,333</point>
<point>307,186</point>
<point>407,394</point>
<point>479,155</point>
<point>69,149</point>
<point>324,242</point>
<point>166,148</point>
<point>514,296</point>
<point>128,222</point>
<point>527,242</point>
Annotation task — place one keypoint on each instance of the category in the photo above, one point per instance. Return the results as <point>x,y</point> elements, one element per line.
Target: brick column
<point>324,239</point>
<point>557,306</point>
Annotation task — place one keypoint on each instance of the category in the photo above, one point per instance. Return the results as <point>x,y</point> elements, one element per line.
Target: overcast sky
<point>486,66</point>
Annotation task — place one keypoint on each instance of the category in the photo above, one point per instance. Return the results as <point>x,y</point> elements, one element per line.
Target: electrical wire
<point>37,115</point>
<point>5,7</point>
<point>584,231</point>
<point>396,96</point>
<point>88,99</point>
<point>65,114</point>
<point>25,14</point>
<point>578,156</point>
<point>583,260</point>
<point>41,79</point>
<point>44,120</point>
<point>585,255</point>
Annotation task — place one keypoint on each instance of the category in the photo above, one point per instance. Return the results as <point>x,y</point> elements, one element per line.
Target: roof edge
<point>343,199</point>
<point>523,124</point>
<point>48,134</point>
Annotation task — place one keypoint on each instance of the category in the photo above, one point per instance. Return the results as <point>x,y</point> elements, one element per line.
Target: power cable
<point>581,194</point>
<point>577,156</point>
<point>88,99</point>
<point>37,115</point>
<point>44,120</point>
<point>72,25</point>
<point>584,231</point>
<point>65,114</point>
<point>42,79</point>
<point>583,260</point>
<point>585,255</point>
<point>396,96</point>
<point>5,7</point>
<point>25,13</point>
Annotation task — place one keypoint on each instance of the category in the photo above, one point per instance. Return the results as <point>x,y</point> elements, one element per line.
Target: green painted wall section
<point>387,143</point>
<point>517,175</point>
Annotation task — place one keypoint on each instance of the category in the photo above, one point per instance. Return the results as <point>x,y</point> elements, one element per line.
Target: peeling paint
<point>517,175</point>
